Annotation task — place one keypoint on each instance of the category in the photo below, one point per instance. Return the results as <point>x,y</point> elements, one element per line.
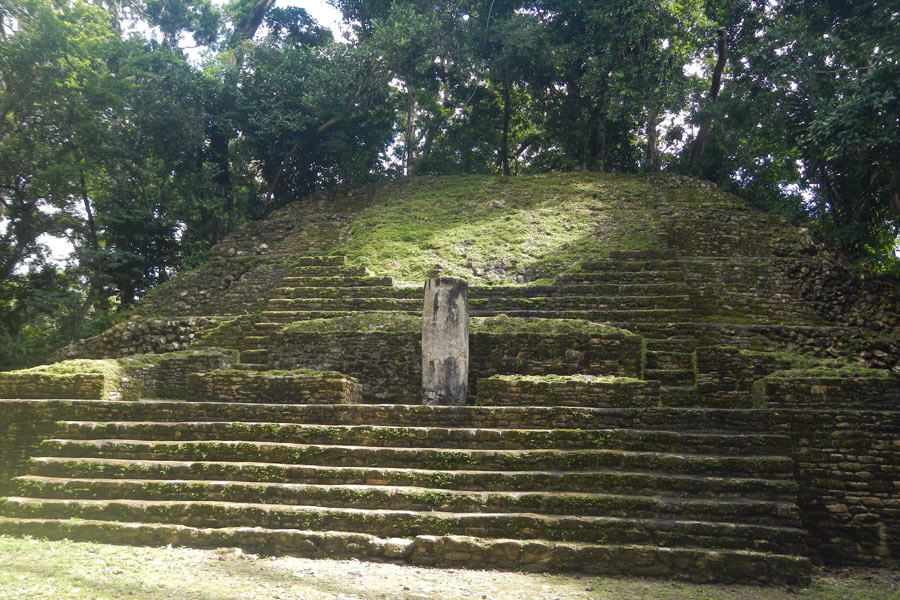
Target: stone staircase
<point>322,278</point>
<point>638,291</point>
<point>694,494</point>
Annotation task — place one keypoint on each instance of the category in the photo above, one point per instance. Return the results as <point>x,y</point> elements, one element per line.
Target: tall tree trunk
<point>219,132</point>
<point>92,266</point>
<point>410,133</point>
<point>504,142</point>
<point>597,126</point>
<point>703,132</point>
<point>246,28</point>
<point>652,139</point>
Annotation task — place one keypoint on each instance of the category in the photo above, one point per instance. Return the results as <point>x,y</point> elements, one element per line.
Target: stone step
<point>314,261</point>
<point>625,319</point>
<point>609,481</point>
<point>692,564</point>
<point>479,305</point>
<point>714,420</point>
<point>264,328</point>
<point>372,291</point>
<point>346,304</point>
<point>408,523</point>
<point>661,330</point>
<point>672,344</point>
<point>415,498</point>
<point>250,366</point>
<point>628,277</point>
<point>256,341</point>
<point>289,316</point>
<point>329,271</point>
<point>432,437</point>
<point>679,395</point>
<point>637,264</point>
<point>638,254</point>
<point>667,288</point>
<point>334,281</point>
<point>671,376</point>
<point>769,467</point>
<point>593,303</point>
<point>622,317</point>
<point>659,359</point>
<point>475,292</point>
<point>254,355</point>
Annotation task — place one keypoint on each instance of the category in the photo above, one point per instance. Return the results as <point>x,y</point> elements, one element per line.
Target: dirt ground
<point>37,569</point>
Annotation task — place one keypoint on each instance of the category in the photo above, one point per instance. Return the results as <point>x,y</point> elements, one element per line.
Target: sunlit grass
<point>37,569</point>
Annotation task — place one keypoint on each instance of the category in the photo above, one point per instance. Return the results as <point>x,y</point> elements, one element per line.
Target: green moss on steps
<point>103,379</point>
<point>389,322</point>
<point>505,325</point>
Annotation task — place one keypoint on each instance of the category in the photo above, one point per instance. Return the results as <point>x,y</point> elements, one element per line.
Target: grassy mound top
<point>80,366</point>
<point>496,230</point>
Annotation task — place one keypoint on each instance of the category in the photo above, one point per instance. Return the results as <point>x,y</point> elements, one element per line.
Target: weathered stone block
<point>573,390</point>
<point>445,341</point>
<point>87,379</point>
<point>279,387</point>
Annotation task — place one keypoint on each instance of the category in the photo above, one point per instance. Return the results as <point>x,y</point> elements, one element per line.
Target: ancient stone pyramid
<point>721,404</point>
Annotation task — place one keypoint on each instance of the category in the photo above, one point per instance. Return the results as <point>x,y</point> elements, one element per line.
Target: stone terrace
<point>694,411</point>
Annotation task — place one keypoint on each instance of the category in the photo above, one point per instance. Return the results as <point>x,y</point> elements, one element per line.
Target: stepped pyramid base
<point>688,564</point>
<point>644,491</point>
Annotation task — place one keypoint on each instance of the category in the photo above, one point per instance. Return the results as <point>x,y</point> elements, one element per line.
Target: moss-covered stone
<point>80,378</point>
<point>505,325</point>
<point>298,386</point>
<point>572,390</point>
<point>387,322</point>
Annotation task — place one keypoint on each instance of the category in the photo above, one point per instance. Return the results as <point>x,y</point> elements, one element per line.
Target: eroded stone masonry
<point>722,404</point>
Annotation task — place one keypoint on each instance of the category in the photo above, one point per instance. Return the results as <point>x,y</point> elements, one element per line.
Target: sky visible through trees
<point>143,131</point>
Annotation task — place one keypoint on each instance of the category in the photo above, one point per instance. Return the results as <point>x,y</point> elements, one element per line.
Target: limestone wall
<point>747,290</point>
<point>389,364</point>
<point>167,375</point>
<point>274,387</point>
<point>578,390</point>
<point>725,376</point>
<point>847,464</point>
<point>868,348</point>
<point>735,378</point>
<point>154,336</point>
<point>817,391</point>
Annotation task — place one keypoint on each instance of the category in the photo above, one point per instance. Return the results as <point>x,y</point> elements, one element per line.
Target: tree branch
<point>319,131</point>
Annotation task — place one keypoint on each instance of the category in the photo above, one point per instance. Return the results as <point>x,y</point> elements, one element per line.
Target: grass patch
<point>491,230</point>
<point>79,366</point>
<point>80,571</point>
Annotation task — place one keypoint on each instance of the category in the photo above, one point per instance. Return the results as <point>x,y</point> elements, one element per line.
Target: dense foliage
<point>144,131</point>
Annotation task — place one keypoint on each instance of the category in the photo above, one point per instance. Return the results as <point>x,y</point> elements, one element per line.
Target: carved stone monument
<point>445,341</point>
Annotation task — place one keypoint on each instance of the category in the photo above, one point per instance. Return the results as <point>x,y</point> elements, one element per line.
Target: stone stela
<point>445,341</point>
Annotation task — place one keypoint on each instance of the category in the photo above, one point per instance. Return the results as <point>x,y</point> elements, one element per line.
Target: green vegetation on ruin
<point>80,366</point>
<point>505,325</point>
<point>488,230</point>
<point>800,366</point>
<point>589,379</point>
<point>393,322</point>
<point>244,374</point>
<point>836,372</point>
<point>384,322</point>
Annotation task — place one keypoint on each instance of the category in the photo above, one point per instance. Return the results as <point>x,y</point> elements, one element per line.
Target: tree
<point>811,109</point>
